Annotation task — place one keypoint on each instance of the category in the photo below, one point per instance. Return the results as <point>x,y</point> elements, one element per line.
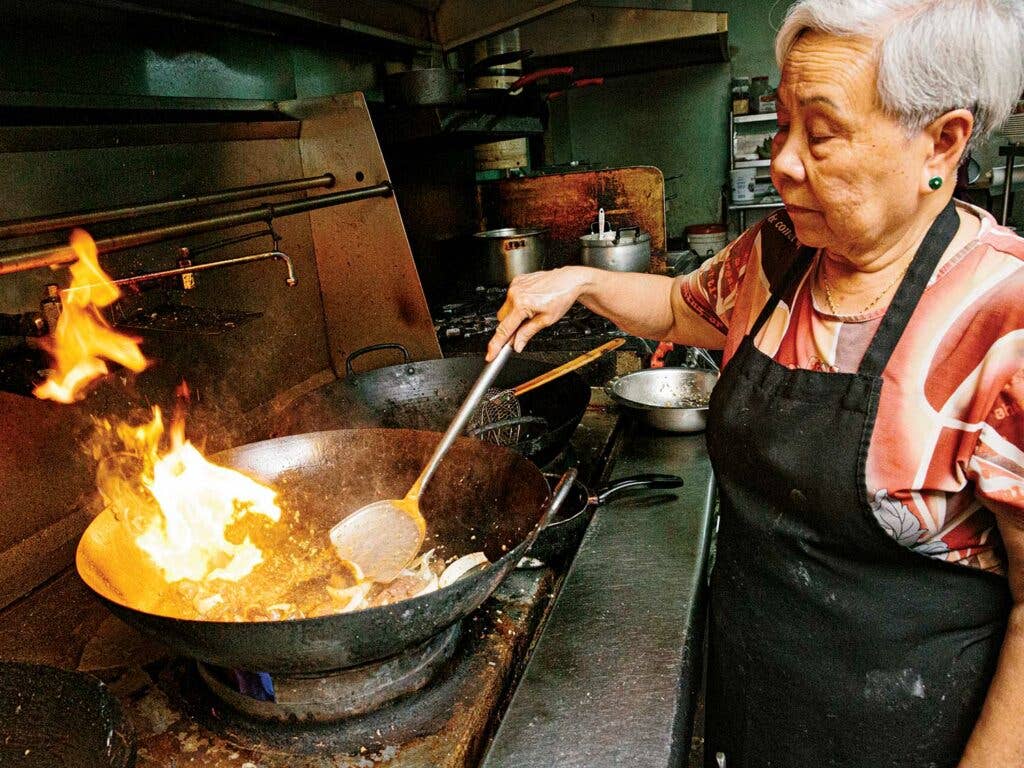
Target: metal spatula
<point>502,406</point>
<point>383,537</point>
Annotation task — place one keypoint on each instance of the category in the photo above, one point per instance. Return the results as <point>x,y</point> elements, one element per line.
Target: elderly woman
<point>867,433</point>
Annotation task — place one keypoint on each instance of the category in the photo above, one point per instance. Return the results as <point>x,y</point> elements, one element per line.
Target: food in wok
<point>201,540</point>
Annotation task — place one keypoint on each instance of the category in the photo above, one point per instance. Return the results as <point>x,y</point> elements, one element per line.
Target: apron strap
<point>902,306</point>
<point>793,274</point>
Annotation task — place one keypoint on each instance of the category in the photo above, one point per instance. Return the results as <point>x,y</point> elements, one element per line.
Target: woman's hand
<point>534,302</point>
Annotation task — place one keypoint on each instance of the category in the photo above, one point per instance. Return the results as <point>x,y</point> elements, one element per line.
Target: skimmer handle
<point>466,412</point>
<point>564,368</point>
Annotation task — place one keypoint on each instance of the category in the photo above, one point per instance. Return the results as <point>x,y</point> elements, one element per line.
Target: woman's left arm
<point>998,737</point>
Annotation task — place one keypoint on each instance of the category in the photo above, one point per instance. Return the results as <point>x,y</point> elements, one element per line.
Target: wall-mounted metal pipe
<point>63,221</point>
<point>193,268</point>
<point>19,261</point>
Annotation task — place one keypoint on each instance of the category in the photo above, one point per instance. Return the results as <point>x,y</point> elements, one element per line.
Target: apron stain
<point>886,687</point>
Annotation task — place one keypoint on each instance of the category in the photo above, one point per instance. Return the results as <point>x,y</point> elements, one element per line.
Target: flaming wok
<point>483,498</point>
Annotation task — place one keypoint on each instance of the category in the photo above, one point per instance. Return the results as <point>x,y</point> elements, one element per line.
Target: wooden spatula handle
<point>572,365</point>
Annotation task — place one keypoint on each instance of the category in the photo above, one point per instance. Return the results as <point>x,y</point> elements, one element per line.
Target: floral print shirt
<point>948,443</point>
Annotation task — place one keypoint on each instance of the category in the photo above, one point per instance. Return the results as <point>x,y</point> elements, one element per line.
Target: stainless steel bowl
<point>669,399</point>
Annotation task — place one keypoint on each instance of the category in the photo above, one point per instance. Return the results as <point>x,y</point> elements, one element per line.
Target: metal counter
<point>615,672</point>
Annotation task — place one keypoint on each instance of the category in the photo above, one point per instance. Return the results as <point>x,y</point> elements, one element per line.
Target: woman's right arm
<point>649,306</point>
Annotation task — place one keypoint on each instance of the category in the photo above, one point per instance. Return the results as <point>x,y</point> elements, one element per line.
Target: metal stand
<point>1010,151</point>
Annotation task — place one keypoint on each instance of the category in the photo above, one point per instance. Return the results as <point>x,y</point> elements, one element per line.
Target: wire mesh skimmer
<point>499,417</point>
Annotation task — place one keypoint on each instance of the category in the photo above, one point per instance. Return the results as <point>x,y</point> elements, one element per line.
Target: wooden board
<point>567,203</point>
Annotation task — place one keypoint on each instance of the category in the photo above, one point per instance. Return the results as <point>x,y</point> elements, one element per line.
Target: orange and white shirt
<point>948,442</point>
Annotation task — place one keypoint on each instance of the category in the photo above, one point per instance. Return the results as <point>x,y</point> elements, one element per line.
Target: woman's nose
<point>786,163</point>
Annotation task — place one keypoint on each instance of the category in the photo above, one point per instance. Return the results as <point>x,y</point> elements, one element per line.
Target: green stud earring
<point>935,182</point>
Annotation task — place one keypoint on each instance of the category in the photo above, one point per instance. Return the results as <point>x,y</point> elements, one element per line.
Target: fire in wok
<point>484,498</point>
<point>230,548</point>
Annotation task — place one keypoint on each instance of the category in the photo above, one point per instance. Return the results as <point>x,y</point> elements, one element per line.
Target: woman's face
<point>848,174</point>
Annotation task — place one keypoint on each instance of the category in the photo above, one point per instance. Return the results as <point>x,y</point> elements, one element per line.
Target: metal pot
<point>628,251</point>
<point>427,87</point>
<point>509,252</point>
<point>669,399</point>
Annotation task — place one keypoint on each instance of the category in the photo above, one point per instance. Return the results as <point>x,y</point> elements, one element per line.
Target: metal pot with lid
<point>509,252</point>
<point>627,250</point>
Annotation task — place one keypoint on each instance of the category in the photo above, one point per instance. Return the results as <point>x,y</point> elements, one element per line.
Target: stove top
<point>184,713</point>
<point>332,697</point>
<point>465,326</point>
<point>436,706</point>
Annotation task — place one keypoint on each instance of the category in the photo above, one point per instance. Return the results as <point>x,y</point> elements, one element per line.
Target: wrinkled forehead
<point>841,70</point>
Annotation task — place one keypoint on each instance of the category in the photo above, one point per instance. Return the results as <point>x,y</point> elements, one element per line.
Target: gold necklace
<point>828,291</point>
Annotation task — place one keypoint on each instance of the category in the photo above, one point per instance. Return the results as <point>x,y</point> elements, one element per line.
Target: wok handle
<point>349,370</point>
<point>540,74</point>
<point>497,60</point>
<point>625,486</point>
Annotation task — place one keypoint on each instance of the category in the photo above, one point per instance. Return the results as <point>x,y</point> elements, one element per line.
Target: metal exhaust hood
<point>603,41</point>
<point>600,38</point>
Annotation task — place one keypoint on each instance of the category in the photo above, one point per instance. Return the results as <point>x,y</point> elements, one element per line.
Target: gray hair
<point>933,55</point>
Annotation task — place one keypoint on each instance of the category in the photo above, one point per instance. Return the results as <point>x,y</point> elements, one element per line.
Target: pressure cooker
<point>622,250</point>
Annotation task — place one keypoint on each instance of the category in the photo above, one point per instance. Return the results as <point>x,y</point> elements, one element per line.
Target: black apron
<point>831,644</point>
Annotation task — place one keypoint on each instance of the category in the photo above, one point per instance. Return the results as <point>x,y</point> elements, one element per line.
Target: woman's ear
<point>947,138</point>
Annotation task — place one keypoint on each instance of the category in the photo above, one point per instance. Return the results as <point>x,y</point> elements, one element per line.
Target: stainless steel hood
<point>604,41</point>
<point>586,32</point>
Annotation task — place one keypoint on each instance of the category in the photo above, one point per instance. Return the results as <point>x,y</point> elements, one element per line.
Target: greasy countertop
<point>615,673</point>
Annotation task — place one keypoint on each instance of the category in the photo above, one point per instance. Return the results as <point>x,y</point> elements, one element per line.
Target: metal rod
<point>193,251</point>
<point>34,226</point>
<point>179,271</point>
<point>49,256</point>
<point>1008,184</point>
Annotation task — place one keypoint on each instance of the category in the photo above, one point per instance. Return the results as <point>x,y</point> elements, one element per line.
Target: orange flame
<point>83,339</point>
<point>196,501</point>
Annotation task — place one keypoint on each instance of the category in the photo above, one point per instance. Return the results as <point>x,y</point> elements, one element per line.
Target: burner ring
<point>329,697</point>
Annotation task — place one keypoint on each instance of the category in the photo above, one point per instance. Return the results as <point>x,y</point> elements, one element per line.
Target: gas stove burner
<point>446,717</point>
<point>335,695</point>
<point>475,317</point>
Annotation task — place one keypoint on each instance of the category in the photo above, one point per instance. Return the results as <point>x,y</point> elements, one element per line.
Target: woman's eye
<point>818,139</point>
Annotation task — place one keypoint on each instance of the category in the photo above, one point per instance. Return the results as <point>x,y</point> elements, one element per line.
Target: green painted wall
<point>677,119</point>
<point>674,119</point>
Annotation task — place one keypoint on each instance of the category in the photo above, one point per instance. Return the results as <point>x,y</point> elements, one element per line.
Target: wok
<point>426,395</point>
<point>483,497</point>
